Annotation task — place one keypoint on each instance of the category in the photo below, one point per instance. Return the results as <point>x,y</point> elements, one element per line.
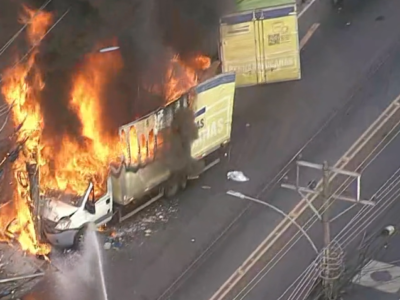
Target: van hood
<point>54,210</point>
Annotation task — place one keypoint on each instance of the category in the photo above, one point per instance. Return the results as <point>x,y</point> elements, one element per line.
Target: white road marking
<point>303,11</point>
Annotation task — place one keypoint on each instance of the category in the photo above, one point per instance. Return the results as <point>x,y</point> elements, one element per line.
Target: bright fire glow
<point>17,91</point>
<point>181,77</point>
<point>78,162</point>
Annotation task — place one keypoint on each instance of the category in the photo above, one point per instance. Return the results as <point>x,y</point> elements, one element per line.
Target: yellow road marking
<point>308,35</point>
<point>302,205</point>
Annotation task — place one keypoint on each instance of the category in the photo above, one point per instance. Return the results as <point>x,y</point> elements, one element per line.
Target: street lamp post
<point>281,212</point>
<point>108,49</point>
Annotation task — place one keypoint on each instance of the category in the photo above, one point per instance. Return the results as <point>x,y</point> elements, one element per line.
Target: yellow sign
<point>281,48</point>
<point>213,107</point>
<point>238,51</point>
<point>261,46</point>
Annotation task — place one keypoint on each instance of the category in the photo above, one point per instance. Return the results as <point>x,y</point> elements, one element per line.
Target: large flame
<point>181,76</point>
<point>17,91</point>
<point>81,160</point>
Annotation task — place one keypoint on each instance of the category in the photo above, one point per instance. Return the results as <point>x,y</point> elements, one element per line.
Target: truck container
<point>143,178</point>
<point>261,46</point>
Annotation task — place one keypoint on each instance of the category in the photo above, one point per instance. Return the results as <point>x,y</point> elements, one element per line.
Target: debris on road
<point>237,176</point>
<point>143,225</point>
<point>107,246</point>
<point>113,242</point>
<point>206,187</point>
<point>19,272</point>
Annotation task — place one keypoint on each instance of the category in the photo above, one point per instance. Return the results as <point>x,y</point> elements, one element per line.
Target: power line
<point>38,42</point>
<point>281,212</point>
<point>332,257</point>
<point>369,158</point>
<point>15,36</point>
<point>372,217</point>
<point>376,212</point>
<point>372,247</point>
<point>384,190</point>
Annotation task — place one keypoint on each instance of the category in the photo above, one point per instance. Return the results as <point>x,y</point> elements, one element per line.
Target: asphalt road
<point>350,74</point>
<point>271,284</point>
<point>383,286</point>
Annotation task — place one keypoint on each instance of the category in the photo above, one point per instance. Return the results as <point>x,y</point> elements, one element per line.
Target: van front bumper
<point>62,239</point>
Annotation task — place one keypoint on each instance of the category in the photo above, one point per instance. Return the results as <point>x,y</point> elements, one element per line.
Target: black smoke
<point>177,154</point>
<point>147,31</point>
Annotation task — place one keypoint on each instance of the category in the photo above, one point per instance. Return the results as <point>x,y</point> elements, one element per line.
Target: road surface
<point>385,283</point>
<point>349,74</point>
<point>270,284</point>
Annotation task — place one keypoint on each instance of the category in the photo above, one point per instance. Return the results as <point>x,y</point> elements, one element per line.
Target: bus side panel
<point>213,108</point>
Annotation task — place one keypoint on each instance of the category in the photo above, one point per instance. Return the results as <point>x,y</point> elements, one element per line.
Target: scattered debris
<point>113,242</point>
<point>107,246</point>
<point>117,245</point>
<point>348,24</point>
<point>380,18</point>
<point>247,125</point>
<point>206,187</point>
<point>67,251</point>
<point>144,224</point>
<point>19,272</point>
<point>237,176</point>
<point>151,219</point>
<point>193,240</point>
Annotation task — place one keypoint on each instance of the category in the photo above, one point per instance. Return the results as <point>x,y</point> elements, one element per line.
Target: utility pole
<point>325,218</point>
<point>332,254</point>
<point>327,202</point>
<point>33,176</point>
<point>32,169</point>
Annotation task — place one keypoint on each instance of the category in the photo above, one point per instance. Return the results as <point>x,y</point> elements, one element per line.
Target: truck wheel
<point>79,239</point>
<point>183,183</point>
<point>171,189</point>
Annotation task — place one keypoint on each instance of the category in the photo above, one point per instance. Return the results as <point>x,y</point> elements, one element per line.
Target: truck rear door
<point>213,106</point>
<point>261,46</point>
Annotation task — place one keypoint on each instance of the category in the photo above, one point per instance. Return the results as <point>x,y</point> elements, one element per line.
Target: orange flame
<point>17,91</point>
<point>77,162</point>
<point>181,76</point>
